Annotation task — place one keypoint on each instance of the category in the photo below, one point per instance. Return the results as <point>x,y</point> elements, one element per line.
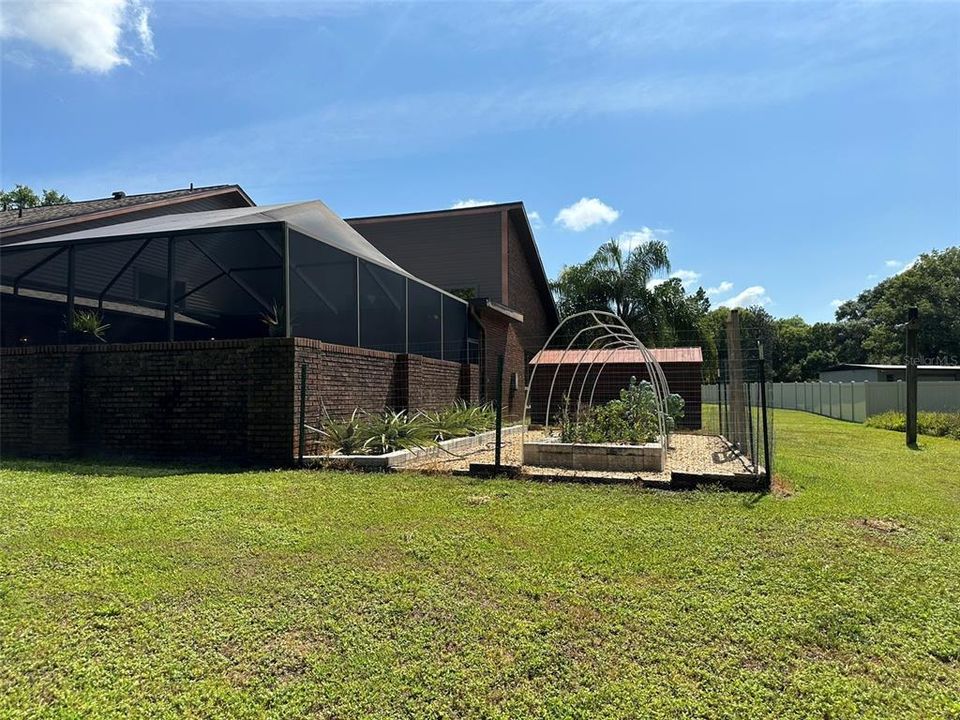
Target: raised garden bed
<point>403,458</point>
<point>594,456</point>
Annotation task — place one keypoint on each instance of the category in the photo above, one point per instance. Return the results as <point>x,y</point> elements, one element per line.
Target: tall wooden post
<point>913,324</point>
<point>736,417</point>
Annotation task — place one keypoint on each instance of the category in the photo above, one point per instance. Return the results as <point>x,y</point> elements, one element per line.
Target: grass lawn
<point>163,592</point>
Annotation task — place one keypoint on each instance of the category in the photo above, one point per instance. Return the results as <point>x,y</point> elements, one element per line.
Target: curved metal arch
<point>659,382</point>
<point>616,335</point>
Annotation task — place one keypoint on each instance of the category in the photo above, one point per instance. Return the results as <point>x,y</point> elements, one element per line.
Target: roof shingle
<point>46,213</point>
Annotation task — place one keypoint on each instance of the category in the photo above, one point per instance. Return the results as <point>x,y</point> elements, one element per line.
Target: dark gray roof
<point>311,218</point>
<point>46,213</point>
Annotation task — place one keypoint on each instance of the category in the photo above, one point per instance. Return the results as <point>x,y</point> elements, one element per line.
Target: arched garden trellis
<point>596,337</point>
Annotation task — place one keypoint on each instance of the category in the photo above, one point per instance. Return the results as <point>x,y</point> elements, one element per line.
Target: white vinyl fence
<point>855,401</point>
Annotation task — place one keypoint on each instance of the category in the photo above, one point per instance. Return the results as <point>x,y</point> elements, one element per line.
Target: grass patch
<point>937,424</point>
<point>169,592</point>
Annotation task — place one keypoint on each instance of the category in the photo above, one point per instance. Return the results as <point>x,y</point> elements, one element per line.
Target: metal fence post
<point>303,413</point>
<point>499,435</point>
<point>71,291</point>
<point>719,404</point>
<point>763,412</point>
<point>913,322</point>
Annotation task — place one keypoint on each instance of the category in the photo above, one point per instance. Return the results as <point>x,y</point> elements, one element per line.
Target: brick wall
<point>232,399</point>
<point>501,338</point>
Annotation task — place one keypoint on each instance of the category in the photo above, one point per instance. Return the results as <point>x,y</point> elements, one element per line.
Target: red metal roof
<point>617,356</point>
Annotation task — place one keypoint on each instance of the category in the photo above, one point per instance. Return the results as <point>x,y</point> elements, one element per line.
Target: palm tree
<point>615,279</point>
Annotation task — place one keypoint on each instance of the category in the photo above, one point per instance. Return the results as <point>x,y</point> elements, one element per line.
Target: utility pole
<point>913,324</point>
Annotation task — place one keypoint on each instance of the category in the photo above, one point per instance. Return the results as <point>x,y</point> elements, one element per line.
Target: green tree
<point>932,284</point>
<point>613,279</point>
<point>52,197</point>
<point>23,197</point>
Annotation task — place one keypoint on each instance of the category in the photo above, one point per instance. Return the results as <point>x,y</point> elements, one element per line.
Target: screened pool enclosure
<point>282,270</point>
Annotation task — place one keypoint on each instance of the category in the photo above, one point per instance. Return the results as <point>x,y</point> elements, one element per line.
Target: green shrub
<point>939,424</point>
<point>631,419</point>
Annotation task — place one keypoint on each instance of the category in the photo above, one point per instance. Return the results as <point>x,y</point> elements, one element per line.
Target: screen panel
<point>383,308</point>
<point>454,329</point>
<point>37,314</point>
<point>423,324</point>
<point>226,285</point>
<point>323,291</point>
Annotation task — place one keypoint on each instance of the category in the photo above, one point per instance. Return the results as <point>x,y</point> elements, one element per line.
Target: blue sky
<point>791,154</point>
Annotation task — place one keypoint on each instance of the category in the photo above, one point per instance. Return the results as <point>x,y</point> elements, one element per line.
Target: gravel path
<point>687,453</point>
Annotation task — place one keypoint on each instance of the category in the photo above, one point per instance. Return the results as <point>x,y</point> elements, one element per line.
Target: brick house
<point>489,255</point>
<point>186,278</point>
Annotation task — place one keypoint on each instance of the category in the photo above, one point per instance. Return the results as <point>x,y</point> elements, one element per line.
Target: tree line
<point>866,330</point>
<point>23,197</point>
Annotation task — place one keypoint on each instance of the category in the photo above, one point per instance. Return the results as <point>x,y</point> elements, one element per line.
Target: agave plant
<point>274,320</point>
<point>396,430</point>
<point>461,420</point>
<point>89,322</point>
<point>347,436</point>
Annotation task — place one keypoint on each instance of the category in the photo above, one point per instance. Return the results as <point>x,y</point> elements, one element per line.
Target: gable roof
<point>517,214</point>
<point>51,216</point>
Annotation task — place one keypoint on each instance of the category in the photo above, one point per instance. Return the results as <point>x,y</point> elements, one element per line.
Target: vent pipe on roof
<point>119,194</point>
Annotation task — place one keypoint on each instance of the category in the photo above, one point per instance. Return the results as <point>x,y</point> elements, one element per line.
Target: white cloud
<point>723,287</point>
<point>90,33</point>
<point>630,239</point>
<point>471,203</point>
<point>753,295</point>
<point>907,266</point>
<point>687,278</point>
<point>899,265</point>
<point>144,32</point>
<point>533,216</point>
<point>872,276</point>
<point>585,213</point>
<point>836,303</point>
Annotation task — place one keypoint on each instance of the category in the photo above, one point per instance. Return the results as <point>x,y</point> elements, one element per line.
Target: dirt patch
<point>879,525</point>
